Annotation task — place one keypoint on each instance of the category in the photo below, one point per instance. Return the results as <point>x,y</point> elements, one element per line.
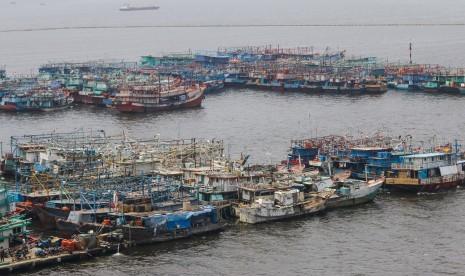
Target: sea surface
<point>395,235</point>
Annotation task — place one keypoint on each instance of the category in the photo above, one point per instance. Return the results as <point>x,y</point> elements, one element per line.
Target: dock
<point>34,262</point>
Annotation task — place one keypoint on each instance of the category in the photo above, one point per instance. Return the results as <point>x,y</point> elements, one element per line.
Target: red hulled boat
<point>154,98</point>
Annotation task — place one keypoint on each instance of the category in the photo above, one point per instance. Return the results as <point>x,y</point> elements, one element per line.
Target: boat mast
<point>410,49</point>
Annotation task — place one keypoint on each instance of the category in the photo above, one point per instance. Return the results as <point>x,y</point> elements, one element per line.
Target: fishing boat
<point>93,93</point>
<point>374,87</point>
<point>408,86</point>
<point>431,87</point>
<point>312,86</point>
<point>213,86</point>
<point>127,7</point>
<point>157,227</point>
<point>453,88</point>
<point>342,86</point>
<point>235,79</point>
<point>357,160</point>
<point>283,205</point>
<point>425,172</point>
<point>137,99</point>
<point>7,165</point>
<point>378,165</point>
<point>53,210</point>
<point>83,221</point>
<point>351,192</point>
<point>35,100</point>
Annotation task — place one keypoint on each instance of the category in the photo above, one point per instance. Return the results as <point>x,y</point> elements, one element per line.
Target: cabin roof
<point>426,155</point>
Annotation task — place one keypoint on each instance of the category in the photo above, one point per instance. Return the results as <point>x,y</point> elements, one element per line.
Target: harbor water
<point>394,235</point>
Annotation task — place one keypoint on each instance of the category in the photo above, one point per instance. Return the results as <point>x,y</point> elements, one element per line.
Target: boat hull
<point>214,88</point>
<point>368,194</point>
<point>129,107</point>
<point>142,235</point>
<point>69,228</point>
<point>426,188</point>
<point>449,90</point>
<point>49,216</point>
<point>88,99</point>
<point>15,108</point>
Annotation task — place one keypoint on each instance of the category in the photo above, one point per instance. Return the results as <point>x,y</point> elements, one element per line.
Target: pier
<point>33,262</point>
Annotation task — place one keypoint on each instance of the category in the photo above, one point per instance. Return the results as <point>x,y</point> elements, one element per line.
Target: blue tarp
<point>181,220</point>
<point>169,221</point>
<point>178,221</point>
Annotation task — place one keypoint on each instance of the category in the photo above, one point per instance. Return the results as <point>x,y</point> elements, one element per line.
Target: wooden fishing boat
<point>156,227</point>
<point>35,100</point>
<point>285,204</point>
<point>351,192</point>
<point>154,99</point>
<point>84,221</point>
<point>53,210</point>
<point>425,172</point>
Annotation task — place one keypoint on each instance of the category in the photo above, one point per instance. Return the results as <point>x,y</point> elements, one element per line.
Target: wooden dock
<point>40,262</point>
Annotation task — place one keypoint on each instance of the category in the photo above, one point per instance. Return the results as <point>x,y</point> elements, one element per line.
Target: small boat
<point>285,204</point>
<point>127,7</point>
<point>351,192</point>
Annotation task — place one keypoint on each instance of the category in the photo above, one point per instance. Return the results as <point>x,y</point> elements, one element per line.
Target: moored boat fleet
<point>127,192</point>
<point>172,81</point>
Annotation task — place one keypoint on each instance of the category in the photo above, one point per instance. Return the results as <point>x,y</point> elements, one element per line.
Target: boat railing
<point>419,166</point>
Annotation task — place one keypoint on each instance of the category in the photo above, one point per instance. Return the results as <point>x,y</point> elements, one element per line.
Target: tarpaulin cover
<point>158,221</point>
<point>181,220</point>
<point>178,221</point>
